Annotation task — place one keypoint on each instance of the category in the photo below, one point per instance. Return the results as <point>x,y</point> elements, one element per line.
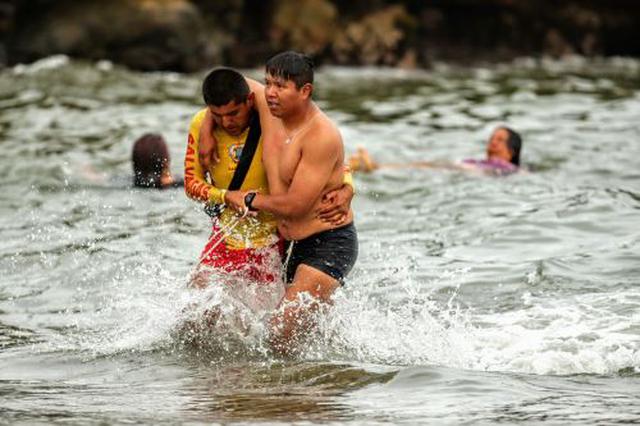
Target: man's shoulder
<point>325,130</point>
<point>196,119</point>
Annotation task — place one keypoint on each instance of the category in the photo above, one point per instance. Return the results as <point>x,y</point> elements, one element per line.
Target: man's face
<point>498,147</point>
<point>282,95</point>
<point>233,117</point>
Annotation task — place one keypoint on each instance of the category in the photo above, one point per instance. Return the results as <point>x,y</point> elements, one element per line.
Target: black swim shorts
<point>333,252</point>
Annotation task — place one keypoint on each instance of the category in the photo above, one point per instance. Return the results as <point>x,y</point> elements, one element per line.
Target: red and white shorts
<point>259,264</point>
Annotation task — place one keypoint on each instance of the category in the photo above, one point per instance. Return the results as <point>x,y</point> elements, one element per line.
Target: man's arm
<point>207,152</point>
<point>267,121</point>
<point>317,163</point>
<point>195,182</point>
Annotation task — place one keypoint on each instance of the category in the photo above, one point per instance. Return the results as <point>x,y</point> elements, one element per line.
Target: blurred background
<point>191,35</point>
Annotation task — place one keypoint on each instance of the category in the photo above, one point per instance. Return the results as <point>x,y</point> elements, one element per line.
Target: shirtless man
<point>304,159</point>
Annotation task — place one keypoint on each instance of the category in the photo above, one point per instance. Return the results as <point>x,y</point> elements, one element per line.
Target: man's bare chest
<point>288,161</point>
<point>281,161</point>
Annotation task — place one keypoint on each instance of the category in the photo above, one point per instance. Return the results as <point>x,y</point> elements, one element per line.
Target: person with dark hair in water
<point>503,157</point>
<point>151,163</point>
<point>503,152</point>
<point>514,143</point>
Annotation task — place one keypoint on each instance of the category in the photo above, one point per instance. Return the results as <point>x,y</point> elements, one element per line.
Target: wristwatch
<point>248,199</point>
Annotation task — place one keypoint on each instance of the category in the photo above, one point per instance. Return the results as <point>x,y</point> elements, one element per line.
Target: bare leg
<point>296,320</point>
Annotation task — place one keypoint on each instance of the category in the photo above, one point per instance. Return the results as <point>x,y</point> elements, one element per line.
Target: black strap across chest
<point>248,152</point>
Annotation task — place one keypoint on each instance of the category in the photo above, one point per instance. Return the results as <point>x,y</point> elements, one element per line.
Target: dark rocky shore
<point>184,35</point>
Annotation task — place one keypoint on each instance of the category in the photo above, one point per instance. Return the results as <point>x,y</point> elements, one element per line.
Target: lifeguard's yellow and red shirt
<point>255,232</point>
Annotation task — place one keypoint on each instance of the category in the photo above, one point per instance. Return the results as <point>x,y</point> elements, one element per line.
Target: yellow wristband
<point>347,179</point>
<point>216,196</point>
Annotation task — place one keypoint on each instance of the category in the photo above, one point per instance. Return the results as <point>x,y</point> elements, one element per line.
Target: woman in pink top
<point>503,157</point>
<point>503,153</point>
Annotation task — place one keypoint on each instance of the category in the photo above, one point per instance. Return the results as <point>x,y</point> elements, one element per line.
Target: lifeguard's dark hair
<point>150,158</point>
<point>514,142</point>
<point>224,85</point>
<point>293,66</point>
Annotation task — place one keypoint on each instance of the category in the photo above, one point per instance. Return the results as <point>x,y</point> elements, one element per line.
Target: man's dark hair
<point>224,85</point>
<point>293,66</point>
<point>514,142</point>
<point>150,158</point>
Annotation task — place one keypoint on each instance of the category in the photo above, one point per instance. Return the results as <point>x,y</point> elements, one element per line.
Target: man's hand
<point>235,200</point>
<point>335,205</point>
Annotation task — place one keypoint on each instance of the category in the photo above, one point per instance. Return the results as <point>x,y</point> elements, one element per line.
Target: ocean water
<point>475,300</point>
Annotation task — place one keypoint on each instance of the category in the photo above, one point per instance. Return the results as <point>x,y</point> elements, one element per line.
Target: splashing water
<point>510,300</point>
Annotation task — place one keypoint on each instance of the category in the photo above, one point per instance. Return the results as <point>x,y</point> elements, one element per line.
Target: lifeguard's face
<point>283,96</point>
<point>498,148</point>
<point>233,117</point>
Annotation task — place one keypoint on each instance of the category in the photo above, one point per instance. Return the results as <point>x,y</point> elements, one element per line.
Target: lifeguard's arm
<point>195,182</point>
<point>312,174</point>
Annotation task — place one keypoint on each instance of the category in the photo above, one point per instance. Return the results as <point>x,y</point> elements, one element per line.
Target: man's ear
<point>251,99</point>
<point>307,90</point>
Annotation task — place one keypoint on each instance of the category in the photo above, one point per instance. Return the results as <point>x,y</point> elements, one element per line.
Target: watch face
<point>248,199</point>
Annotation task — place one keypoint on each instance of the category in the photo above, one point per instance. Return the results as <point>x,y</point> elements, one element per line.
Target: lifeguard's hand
<point>235,200</point>
<point>335,205</point>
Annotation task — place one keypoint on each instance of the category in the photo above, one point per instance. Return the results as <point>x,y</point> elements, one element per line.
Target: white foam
<point>577,335</point>
<point>48,63</point>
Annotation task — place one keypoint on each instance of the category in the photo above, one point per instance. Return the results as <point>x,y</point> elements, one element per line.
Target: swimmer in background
<point>503,157</point>
<point>152,163</point>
